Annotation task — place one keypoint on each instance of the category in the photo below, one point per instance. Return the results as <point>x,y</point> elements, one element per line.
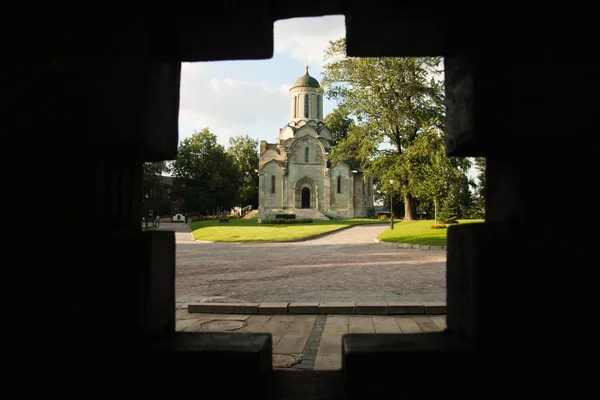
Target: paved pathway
<point>344,266</point>
<point>315,341</point>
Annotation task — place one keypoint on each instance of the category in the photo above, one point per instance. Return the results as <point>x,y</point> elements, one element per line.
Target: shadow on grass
<point>240,230</point>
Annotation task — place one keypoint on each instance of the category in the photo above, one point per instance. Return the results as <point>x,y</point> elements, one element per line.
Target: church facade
<point>295,175</point>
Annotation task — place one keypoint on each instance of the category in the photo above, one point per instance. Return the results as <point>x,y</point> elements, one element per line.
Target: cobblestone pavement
<point>344,266</point>
<point>314,341</point>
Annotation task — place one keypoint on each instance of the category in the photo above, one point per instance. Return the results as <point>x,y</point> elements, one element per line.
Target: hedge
<point>285,216</point>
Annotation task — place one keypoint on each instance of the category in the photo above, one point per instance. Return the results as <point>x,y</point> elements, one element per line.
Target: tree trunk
<point>435,211</point>
<point>408,205</point>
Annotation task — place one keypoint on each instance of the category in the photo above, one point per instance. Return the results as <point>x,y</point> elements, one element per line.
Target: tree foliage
<point>394,101</point>
<point>479,200</point>
<point>205,176</point>
<point>244,151</point>
<point>448,213</point>
<point>151,186</point>
<point>339,123</point>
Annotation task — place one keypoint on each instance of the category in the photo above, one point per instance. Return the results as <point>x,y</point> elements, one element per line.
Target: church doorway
<point>306,198</point>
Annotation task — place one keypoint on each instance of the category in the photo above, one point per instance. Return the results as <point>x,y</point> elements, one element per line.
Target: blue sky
<point>251,97</point>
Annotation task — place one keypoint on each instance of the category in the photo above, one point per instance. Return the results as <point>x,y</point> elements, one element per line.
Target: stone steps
<point>310,213</point>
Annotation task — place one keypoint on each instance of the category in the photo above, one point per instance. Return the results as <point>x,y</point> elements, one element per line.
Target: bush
<point>438,226</point>
<point>196,219</point>
<point>232,216</point>
<point>285,216</point>
<point>284,221</point>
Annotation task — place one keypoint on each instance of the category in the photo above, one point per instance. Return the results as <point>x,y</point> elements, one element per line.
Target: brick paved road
<point>345,266</point>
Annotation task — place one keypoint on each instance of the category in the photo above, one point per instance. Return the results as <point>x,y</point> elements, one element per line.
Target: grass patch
<point>419,232</point>
<point>248,230</point>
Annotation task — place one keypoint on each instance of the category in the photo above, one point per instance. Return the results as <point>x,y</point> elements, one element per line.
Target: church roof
<point>306,81</point>
<point>262,163</point>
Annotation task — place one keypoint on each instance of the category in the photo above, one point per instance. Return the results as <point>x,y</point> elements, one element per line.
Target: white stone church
<point>295,176</point>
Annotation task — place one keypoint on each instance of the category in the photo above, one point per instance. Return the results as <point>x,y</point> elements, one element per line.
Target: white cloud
<point>308,37</point>
<point>229,107</point>
<point>214,83</point>
<point>233,101</point>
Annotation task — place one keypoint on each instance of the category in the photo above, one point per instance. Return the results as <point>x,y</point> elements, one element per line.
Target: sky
<point>252,97</point>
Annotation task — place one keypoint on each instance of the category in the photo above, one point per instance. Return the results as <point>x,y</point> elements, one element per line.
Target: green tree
<point>339,123</point>
<point>151,186</point>
<point>448,213</point>
<point>244,151</point>
<point>394,100</point>
<point>204,174</point>
<point>152,171</point>
<point>479,201</point>
<point>431,170</point>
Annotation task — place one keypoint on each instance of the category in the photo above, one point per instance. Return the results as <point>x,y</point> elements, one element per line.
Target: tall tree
<point>244,151</point>
<point>394,101</point>
<point>204,175</point>
<point>339,123</point>
<point>431,170</point>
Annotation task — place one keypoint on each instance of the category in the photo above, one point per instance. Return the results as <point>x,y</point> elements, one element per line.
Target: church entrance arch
<point>305,193</point>
<point>305,197</point>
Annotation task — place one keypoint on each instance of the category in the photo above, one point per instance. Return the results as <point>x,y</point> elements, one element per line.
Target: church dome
<point>306,81</point>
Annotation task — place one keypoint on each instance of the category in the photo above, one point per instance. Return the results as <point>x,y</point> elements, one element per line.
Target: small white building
<point>295,176</point>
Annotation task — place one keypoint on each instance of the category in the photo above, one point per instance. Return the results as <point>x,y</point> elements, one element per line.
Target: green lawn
<point>419,232</point>
<point>248,230</point>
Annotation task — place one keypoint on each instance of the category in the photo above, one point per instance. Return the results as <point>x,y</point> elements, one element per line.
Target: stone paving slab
<point>360,324</point>
<point>315,339</point>
<point>408,325</point>
<point>385,324</point>
<point>291,344</point>
<point>301,325</point>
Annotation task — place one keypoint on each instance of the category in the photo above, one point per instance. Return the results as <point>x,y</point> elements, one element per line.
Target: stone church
<point>295,176</point>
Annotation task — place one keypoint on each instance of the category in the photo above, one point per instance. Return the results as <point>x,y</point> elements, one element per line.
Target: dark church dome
<point>306,81</point>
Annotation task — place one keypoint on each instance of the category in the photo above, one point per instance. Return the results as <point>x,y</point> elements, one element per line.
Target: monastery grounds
<point>347,266</point>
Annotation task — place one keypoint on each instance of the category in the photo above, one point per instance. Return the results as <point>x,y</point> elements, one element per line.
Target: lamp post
<point>391,204</point>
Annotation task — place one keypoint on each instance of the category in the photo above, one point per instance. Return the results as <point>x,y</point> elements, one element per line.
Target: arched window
<point>306,154</point>
<point>306,106</point>
<point>318,107</point>
<point>339,185</point>
<point>295,106</point>
<point>273,184</point>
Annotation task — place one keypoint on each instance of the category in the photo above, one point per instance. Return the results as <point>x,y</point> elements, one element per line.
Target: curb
<point>410,246</point>
<point>345,308</point>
